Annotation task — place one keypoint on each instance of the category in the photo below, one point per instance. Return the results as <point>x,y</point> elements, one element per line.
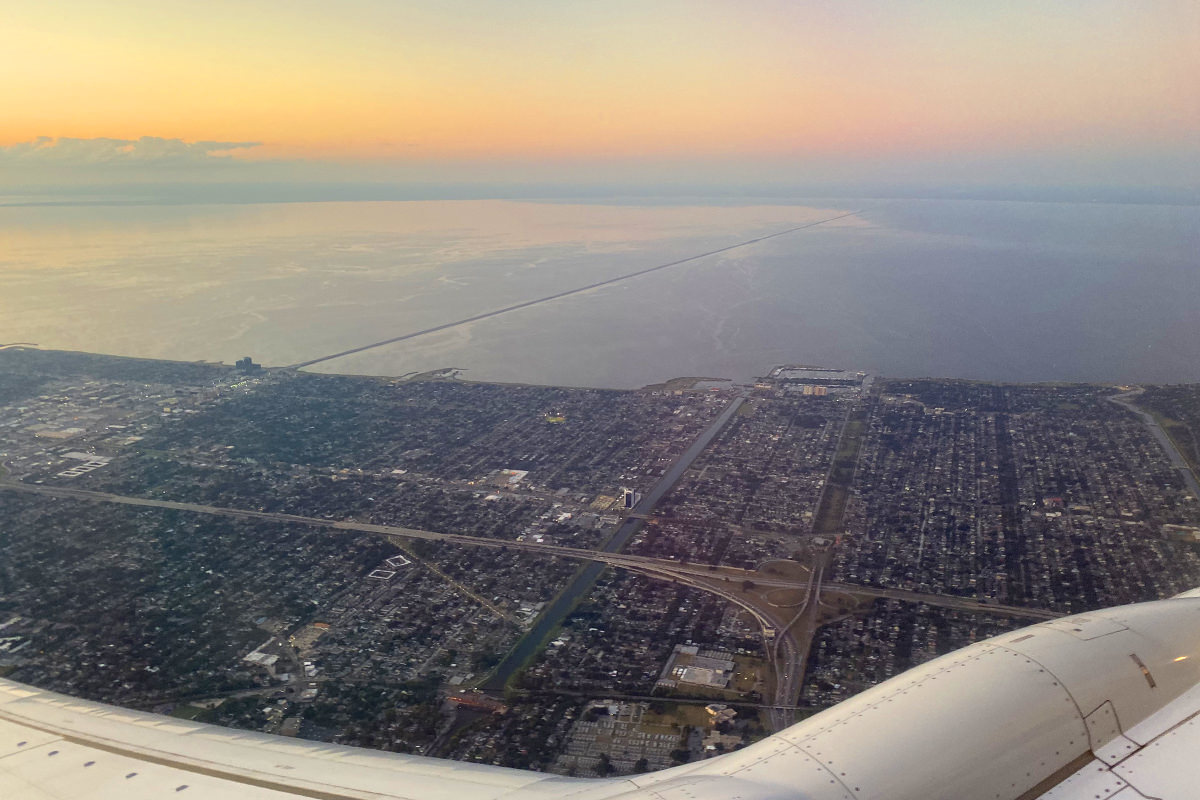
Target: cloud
<point>147,151</point>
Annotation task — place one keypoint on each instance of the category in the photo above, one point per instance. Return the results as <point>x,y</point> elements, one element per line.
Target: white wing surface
<point>1098,705</point>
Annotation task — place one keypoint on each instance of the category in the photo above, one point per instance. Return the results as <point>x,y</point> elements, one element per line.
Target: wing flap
<point>1166,768</point>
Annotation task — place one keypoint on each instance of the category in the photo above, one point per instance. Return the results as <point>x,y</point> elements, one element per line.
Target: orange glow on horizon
<point>413,84</point>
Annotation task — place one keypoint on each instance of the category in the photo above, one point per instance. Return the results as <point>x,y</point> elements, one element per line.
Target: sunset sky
<point>754,90</point>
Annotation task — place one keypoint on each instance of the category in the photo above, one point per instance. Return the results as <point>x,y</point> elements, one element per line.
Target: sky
<point>1102,92</point>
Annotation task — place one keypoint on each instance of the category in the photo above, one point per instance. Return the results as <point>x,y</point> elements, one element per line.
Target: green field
<point>828,519</point>
<point>185,711</point>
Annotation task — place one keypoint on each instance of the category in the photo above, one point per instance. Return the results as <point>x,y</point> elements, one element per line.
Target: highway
<point>580,585</point>
<point>699,575</point>
<point>617,559</point>
<point>787,648</point>
<point>945,601</point>
<point>1127,401</point>
<point>558,295</point>
<point>788,666</point>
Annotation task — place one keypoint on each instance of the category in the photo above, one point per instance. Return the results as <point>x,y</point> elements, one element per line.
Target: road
<point>1126,401</point>
<point>944,601</point>
<point>787,646</point>
<point>699,575</point>
<point>788,666</point>
<point>537,301</point>
<point>791,647</point>
<point>581,584</point>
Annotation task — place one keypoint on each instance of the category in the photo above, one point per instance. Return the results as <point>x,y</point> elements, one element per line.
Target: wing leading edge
<point>1100,704</point>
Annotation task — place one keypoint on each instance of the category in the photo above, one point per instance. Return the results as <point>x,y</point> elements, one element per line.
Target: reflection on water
<point>1002,291</point>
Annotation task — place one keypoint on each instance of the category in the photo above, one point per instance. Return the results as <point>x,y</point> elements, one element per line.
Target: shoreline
<point>686,383</point>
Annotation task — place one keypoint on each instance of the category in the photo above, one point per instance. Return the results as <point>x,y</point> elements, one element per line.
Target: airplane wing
<point>1098,705</point>
<point>53,746</point>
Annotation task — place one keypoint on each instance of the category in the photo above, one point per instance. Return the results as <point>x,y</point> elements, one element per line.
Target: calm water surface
<point>988,290</point>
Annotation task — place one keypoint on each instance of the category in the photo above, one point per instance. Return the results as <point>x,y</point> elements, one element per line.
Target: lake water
<point>987,290</point>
